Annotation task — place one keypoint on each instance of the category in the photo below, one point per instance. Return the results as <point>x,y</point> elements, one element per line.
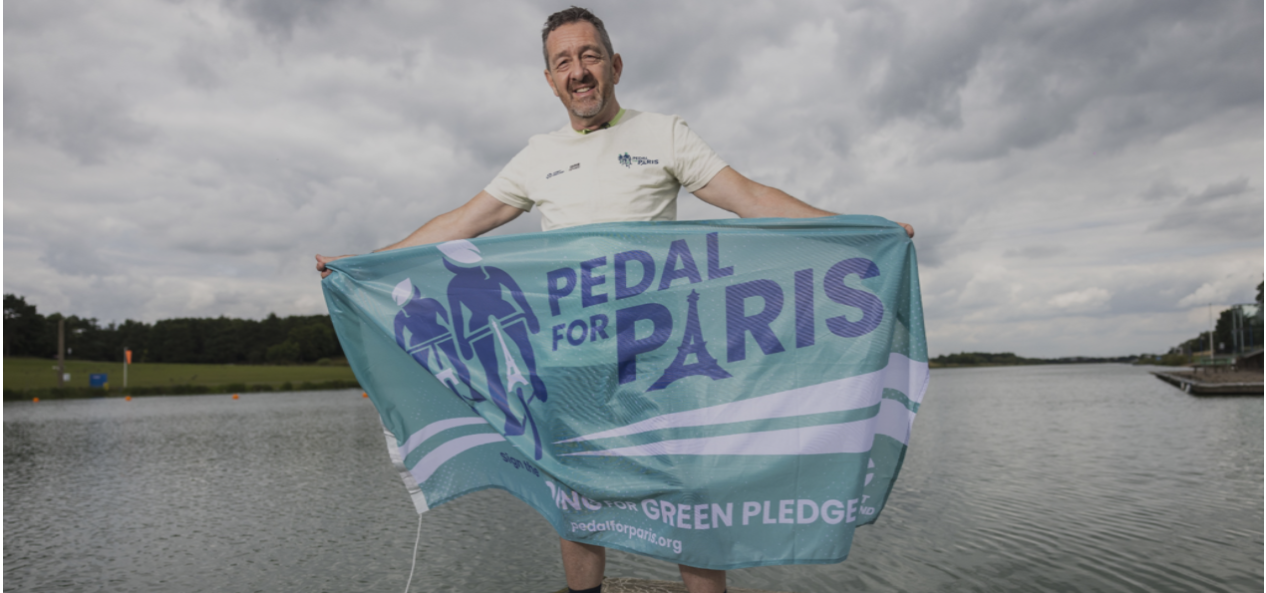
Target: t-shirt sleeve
<point>694,162</point>
<point>510,185</point>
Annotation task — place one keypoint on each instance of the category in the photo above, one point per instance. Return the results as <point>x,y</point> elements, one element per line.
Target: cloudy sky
<point>1085,177</point>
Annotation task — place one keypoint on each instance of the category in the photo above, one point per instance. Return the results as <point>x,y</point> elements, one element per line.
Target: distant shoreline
<point>941,365</point>
<point>227,388</point>
<point>975,359</point>
<point>27,378</point>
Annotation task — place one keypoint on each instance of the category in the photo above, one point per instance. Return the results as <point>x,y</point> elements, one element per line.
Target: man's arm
<point>476,217</point>
<point>730,190</point>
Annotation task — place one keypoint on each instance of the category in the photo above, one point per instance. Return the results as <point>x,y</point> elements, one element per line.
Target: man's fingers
<point>909,229</point>
<point>322,260</point>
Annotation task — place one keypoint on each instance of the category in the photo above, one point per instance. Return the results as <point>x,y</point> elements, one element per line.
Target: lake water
<point>1047,478</point>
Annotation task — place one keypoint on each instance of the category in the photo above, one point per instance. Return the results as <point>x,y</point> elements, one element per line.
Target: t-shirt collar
<point>615,120</point>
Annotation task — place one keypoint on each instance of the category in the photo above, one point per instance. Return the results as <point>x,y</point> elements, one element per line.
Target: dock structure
<point>1203,386</point>
<point>1251,360</point>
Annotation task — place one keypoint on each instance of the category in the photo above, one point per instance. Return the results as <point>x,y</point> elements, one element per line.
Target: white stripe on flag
<point>907,376</point>
<point>397,461</point>
<point>893,420</point>
<point>433,460</point>
<point>851,393</point>
<point>432,429</point>
<point>849,437</point>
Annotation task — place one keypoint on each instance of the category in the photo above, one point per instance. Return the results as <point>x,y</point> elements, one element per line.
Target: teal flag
<point>720,394</point>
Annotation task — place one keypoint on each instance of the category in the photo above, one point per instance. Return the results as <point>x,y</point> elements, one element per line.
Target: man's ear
<point>549,79</point>
<point>617,63</point>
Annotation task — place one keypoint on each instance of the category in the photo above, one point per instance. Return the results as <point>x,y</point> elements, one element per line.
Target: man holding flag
<point>609,164</point>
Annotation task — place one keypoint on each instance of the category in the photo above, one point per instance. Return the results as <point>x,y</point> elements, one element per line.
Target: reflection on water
<point>1053,478</point>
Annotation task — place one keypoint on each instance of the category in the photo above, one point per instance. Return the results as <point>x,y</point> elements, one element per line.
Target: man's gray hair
<point>574,14</point>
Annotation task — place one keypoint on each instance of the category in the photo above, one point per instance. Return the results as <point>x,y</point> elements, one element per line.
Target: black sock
<point>597,589</point>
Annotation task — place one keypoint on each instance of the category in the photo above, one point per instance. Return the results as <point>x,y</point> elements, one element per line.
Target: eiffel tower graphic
<point>692,343</point>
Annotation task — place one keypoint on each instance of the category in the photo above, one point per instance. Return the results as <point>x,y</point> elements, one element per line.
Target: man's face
<point>581,72</point>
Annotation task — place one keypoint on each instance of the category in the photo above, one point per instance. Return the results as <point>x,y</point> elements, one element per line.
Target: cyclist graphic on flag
<point>421,328</point>
<point>491,320</point>
<point>484,324</point>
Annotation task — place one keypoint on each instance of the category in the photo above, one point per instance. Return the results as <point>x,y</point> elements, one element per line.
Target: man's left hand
<point>322,260</point>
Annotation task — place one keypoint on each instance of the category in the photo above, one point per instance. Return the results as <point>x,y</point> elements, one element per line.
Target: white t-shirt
<point>630,171</point>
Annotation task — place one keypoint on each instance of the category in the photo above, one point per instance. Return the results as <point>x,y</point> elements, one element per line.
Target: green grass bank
<point>36,377</point>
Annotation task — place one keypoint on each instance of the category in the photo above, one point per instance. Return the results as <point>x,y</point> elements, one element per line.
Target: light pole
<point>1212,352</point>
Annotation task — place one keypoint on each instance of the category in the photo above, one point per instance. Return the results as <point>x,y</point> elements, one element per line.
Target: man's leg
<point>702,580</point>
<point>584,565</point>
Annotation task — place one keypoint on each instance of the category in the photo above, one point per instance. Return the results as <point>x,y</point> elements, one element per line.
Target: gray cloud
<point>1217,191</point>
<point>1161,189</point>
<point>195,69</point>
<point>1097,70</point>
<point>1035,252</point>
<point>79,122</point>
<point>74,256</point>
<point>925,72</point>
<point>1216,209</point>
<point>1067,165</point>
<point>279,18</point>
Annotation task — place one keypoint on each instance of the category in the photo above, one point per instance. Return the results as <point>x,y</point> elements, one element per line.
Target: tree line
<point>273,340</point>
<point>1009,358</point>
<point>1230,335</point>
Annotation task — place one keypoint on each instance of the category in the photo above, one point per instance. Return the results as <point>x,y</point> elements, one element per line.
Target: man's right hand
<point>322,260</point>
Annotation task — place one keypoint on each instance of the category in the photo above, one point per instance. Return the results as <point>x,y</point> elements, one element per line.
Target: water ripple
<point>1087,478</point>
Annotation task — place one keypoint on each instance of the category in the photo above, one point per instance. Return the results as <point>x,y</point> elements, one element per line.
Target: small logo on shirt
<point>560,171</point>
<point>629,161</point>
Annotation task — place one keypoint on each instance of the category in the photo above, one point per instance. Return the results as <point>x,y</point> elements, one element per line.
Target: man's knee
<point>581,549</point>
<point>702,580</point>
<point>583,564</point>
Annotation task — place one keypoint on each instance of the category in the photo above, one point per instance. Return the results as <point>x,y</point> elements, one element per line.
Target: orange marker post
<point>364,394</point>
<point>234,396</point>
<point>127,362</point>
